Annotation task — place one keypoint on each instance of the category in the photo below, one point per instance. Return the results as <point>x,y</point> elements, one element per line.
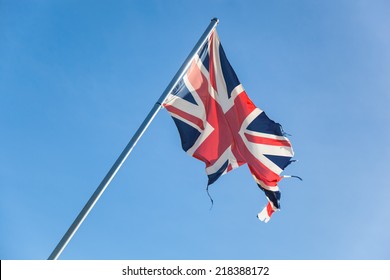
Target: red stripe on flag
<point>185,115</point>
<point>211,63</point>
<point>270,209</point>
<point>267,141</point>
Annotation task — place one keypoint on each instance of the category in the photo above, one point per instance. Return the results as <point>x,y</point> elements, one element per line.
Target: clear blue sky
<point>78,77</point>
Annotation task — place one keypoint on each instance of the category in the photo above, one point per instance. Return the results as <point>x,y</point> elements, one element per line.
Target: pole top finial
<point>215,19</point>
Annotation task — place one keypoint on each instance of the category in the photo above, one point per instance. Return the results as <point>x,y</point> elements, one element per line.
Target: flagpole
<point>127,150</point>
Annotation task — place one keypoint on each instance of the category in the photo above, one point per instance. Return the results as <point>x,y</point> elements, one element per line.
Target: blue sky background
<point>78,77</point>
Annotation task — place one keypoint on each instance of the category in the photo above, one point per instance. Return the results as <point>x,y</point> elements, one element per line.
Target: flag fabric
<point>219,125</point>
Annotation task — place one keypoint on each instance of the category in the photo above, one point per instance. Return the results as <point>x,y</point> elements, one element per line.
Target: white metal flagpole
<point>126,152</point>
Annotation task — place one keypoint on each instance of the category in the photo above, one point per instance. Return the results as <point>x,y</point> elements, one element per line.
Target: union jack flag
<point>219,125</point>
